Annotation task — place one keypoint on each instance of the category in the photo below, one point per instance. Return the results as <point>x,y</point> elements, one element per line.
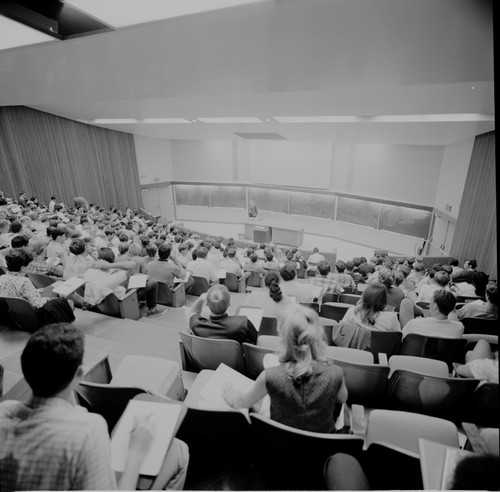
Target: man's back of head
<point>445,301</point>
<point>218,299</point>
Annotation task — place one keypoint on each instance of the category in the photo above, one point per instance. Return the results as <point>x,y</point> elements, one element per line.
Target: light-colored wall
<point>154,160</point>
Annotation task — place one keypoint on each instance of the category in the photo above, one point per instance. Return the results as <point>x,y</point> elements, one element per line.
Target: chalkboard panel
<point>403,220</point>
<point>360,212</point>
<point>193,195</point>
<point>312,205</point>
<point>228,196</point>
<point>270,200</point>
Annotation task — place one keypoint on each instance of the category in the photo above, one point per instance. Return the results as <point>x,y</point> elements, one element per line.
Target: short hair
<point>492,293</point>
<point>272,281</point>
<point>472,263</point>
<point>323,267</point>
<point>109,231</point>
<point>56,232</point>
<point>218,298</point>
<point>476,472</point>
<point>254,257</point>
<point>135,249</point>
<point>418,267</point>
<point>315,250</point>
<point>444,300</point>
<point>442,278</point>
<point>151,250</point>
<point>123,237</point>
<point>349,265</point>
<point>447,268</point>
<point>454,262</point>
<point>362,259</point>
<point>398,278</point>
<point>201,252</point>
<point>340,266</point>
<point>164,251</point>
<point>77,247</point>
<point>15,227</point>
<point>386,277</point>
<point>19,241</point>
<point>51,358</point>
<point>37,246</point>
<point>356,261</point>
<point>288,272</point>
<point>16,259</point>
<point>107,254</point>
<point>123,248</point>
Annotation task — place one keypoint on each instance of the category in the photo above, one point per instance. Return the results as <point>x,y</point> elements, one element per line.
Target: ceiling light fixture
<point>238,119</point>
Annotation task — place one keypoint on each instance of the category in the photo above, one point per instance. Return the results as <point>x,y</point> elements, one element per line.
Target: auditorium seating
<point>480,325</point>
<point>125,307</point>
<point>254,359</point>
<point>234,284</point>
<point>200,285</point>
<point>422,365</point>
<point>20,314</point>
<point>334,310</point>
<point>175,297</point>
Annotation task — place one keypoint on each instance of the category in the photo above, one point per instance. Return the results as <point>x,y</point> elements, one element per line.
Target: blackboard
<point>403,220</point>
<point>360,212</point>
<point>270,200</point>
<point>312,205</point>
<point>193,195</point>
<point>228,196</point>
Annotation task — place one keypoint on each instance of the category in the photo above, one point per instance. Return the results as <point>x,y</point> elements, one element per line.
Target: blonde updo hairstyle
<point>302,340</point>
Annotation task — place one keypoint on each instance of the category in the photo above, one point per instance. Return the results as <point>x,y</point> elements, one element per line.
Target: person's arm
<point>464,371</point>
<point>236,399</point>
<point>122,265</point>
<point>197,305</point>
<point>342,394</point>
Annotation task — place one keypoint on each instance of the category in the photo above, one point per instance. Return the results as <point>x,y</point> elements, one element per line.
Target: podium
<point>262,234</point>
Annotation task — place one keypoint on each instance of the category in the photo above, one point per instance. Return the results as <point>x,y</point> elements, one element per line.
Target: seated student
<point>467,274</point>
<point>438,280</point>
<point>323,280</point>
<point>482,309</point>
<point>56,249</point>
<point>394,294</point>
<point>49,443</point>
<point>253,265</point>
<point>369,312</point>
<point>437,324</point>
<point>480,363</point>
<point>343,279</point>
<point>201,267</point>
<point>302,291</point>
<point>305,389</point>
<point>38,264</point>
<point>80,261</point>
<point>230,262</point>
<point>270,262</point>
<point>356,276</point>
<point>218,324</point>
<point>272,302</point>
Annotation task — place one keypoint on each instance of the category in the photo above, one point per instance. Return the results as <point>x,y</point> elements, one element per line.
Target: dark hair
<point>442,278</point>
<point>472,263</point>
<point>373,300</point>
<point>445,301</point>
<point>272,280</point>
<point>323,267</point>
<point>340,266</point>
<point>77,247</point>
<point>288,272</point>
<point>164,251</point>
<point>386,277</point>
<point>107,254</point>
<point>19,241</point>
<point>254,257</point>
<point>454,262</point>
<point>51,357</point>
<point>151,250</point>
<point>16,259</point>
<point>201,252</point>
<point>15,227</point>
<point>269,256</point>
<point>56,232</point>
<point>447,268</point>
<point>492,293</point>
<point>349,265</point>
<point>476,472</point>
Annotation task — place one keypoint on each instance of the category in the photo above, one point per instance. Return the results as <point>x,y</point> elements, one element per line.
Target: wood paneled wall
<point>43,154</point>
<point>476,229</point>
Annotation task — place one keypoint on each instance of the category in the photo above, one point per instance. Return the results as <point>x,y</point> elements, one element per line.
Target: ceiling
<point>409,72</point>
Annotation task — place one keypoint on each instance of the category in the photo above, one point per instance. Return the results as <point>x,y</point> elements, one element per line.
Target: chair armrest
<point>242,285</point>
<point>129,305</point>
<point>358,419</point>
<point>179,295</point>
<point>382,359</point>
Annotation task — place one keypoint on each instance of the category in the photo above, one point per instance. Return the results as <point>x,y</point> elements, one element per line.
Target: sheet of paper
<point>221,273</point>
<point>137,281</point>
<point>254,314</point>
<point>212,391</point>
<point>451,459</point>
<point>164,418</point>
<point>69,286</point>
<point>183,280</point>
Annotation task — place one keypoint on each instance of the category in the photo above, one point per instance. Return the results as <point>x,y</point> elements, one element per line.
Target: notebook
<point>69,286</point>
<point>137,281</point>
<point>164,418</point>
<point>254,314</point>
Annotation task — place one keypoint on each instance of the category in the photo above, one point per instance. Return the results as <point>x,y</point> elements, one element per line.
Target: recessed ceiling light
<point>239,119</point>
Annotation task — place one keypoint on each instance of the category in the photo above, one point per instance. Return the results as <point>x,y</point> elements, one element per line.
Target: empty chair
<point>480,325</point>
<point>330,297</point>
<point>484,408</point>
<point>234,284</point>
<point>349,355</point>
<point>255,280</point>
<point>290,458</point>
<point>422,365</point>
<point>385,342</point>
<point>349,298</point>
<point>448,350</point>
<point>175,297</point>
<point>446,398</point>
<point>200,285</point>
<point>254,359</point>
<point>366,383</point>
<point>21,314</point>
<point>208,353</point>
<point>334,310</point>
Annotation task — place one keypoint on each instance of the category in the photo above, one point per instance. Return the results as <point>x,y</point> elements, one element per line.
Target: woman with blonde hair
<point>305,388</point>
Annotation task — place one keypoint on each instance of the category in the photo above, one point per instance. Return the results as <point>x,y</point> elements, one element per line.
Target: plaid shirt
<point>49,444</point>
<point>39,265</point>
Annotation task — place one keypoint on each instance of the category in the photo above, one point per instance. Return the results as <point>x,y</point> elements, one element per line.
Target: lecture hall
<point>248,245</point>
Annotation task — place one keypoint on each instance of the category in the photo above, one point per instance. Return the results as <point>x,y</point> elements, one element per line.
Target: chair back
<point>349,298</point>
<point>484,409</point>
<point>22,315</point>
<point>232,283</point>
<point>106,400</point>
<point>334,310</point>
<point>480,325</point>
<point>99,372</point>
<point>200,285</point>
<point>255,280</point>
<point>446,398</point>
<point>448,350</point>
<point>422,365</point>
<point>171,297</point>
<point>209,353</point>
<point>40,281</point>
<point>330,297</point>
<point>346,354</point>
<point>254,359</point>
<point>282,448</point>
<point>366,383</point>
<point>386,342</point>
<point>269,341</point>
<point>361,287</point>
<point>268,326</point>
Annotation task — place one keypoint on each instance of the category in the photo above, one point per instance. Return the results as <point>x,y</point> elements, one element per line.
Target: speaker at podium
<point>262,234</point>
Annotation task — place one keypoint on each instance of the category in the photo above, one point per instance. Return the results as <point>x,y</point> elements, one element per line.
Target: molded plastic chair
<point>385,342</point>
<point>290,458</point>
<point>126,307</point>
<point>40,281</point>
<point>268,341</point>
<point>422,365</point>
<point>484,405</point>
<point>334,310</point>
<point>208,353</point>
<point>254,357</point>
<point>448,350</point>
<point>446,398</point>
<point>366,383</point>
<point>235,284</point>
<point>175,297</point>
<point>268,326</point>
<point>329,297</point>
<point>255,280</point>
<point>200,285</point>
<point>361,287</point>
<point>349,355</point>
<point>480,325</point>
<point>349,298</point>
<point>22,315</point>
